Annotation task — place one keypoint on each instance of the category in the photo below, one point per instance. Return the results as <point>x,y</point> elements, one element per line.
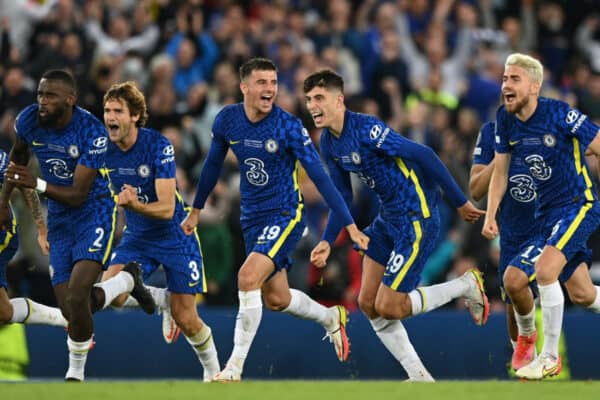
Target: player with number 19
<point>270,144</point>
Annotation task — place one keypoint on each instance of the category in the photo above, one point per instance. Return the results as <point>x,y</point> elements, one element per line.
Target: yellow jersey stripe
<point>286,231</point>
<point>573,227</point>
<point>4,244</point>
<point>420,193</point>
<point>582,170</point>
<point>204,286</point>
<point>113,228</point>
<point>413,256</point>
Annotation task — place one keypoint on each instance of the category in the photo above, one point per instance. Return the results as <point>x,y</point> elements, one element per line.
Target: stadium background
<point>430,68</point>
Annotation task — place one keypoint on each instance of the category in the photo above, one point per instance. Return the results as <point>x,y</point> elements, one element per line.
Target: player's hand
<point>127,197</point>
<point>490,229</point>
<point>190,222</point>
<point>319,255</point>
<point>42,239</point>
<point>20,176</point>
<point>469,212</point>
<point>361,240</point>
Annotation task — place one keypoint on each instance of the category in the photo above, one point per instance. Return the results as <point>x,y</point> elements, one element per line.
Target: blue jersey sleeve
<point>304,150</point>
<point>577,124</point>
<point>95,145</point>
<point>212,165</point>
<point>484,147</point>
<point>25,121</point>
<point>501,139</point>
<point>341,180</point>
<point>395,145</point>
<point>164,160</point>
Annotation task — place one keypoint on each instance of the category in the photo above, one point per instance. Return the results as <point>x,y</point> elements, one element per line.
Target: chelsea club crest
<point>73,151</point>
<point>143,171</point>
<point>549,140</point>
<point>271,145</point>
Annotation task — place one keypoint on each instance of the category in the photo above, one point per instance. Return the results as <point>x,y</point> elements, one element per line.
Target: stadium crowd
<point>430,69</point>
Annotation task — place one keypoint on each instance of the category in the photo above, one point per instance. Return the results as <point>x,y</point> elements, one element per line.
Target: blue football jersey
<point>370,149</point>
<point>83,141</point>
<point>151,157</point>
<point>551,144</point>
<point>268,153</point>
<point>517,209</point>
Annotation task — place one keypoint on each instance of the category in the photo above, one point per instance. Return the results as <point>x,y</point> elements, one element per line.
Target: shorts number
<point>98,241</point>
<point>195,274</point>
<point>527,253</point>
<point>395,262</point>
<point>270,232</point>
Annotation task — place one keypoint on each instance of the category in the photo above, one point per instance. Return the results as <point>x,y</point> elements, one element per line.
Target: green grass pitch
<point>301,390</point>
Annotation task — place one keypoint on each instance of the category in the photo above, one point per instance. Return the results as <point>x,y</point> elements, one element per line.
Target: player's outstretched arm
<point>190,222</point>
<point>469,212</point>
<point>72,196</point>
<point>479,179</point>
<point>319,255</point>
<point>497,188</point>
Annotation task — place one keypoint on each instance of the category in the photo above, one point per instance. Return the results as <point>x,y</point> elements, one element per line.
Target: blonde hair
<point>534,68</point>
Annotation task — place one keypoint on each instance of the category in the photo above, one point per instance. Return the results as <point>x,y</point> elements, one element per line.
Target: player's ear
<point>340,99</point>
<point>243,88</point>
<point>135,118</point>
<point>71,99</point>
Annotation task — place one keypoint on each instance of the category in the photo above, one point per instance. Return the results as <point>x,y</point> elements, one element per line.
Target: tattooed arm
<point>33,202</point>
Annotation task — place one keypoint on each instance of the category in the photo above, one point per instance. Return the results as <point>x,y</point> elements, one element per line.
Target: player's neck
<point>65,119</point>
<point>127,142</point>
<point>255,115</point>
<point>527,111</point>
<point>337,125</point>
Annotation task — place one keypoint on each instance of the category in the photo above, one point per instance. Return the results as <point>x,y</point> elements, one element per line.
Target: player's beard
<point>50,120</point>
<point>517,106</point>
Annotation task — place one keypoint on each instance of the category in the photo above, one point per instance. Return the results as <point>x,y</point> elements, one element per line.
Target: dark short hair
<point>63,76</point>
<point>256,64</point>
<point>324,78</point>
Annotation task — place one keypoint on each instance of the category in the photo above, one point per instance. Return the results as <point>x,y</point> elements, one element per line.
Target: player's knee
<point>78,299</point>
<point>367,306</point>
<point>514,286</point>
<point>247,280</point>
<point>582,296</point>
<point>276,301</point>
<point>187,320</point>
<point>390,309</point>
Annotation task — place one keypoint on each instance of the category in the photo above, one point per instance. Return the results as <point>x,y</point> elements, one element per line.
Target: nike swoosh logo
<point>261,241</point>
<point>192,284</point>
<point>234,141</point>
<point>526,262</point>
<point>93,250</point>
<point>510,142</point>
<point>36,143</point>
